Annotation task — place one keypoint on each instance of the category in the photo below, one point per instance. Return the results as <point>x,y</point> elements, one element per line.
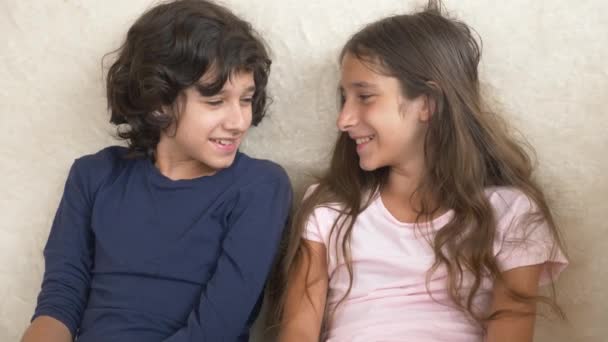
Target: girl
<point>172,238</point>
<point>427,225</point>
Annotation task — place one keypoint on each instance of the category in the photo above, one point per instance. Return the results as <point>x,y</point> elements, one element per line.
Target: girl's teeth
<point>363,140</point>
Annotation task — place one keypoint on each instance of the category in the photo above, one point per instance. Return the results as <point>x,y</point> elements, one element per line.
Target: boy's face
<point>209,129</point>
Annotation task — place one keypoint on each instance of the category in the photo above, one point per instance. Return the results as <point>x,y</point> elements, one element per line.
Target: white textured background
<point>545,60</point>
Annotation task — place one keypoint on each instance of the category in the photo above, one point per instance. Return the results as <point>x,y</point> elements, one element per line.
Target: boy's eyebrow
<point>203,90</point>
<point>250,89</point>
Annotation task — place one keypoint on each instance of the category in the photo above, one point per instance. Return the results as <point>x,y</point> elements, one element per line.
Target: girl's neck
<point>401,194</point>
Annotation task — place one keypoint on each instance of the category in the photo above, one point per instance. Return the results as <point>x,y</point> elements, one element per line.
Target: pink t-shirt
<point>389,300</point>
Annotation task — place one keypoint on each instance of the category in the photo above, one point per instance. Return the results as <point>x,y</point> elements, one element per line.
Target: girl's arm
<point>516,328</point>
<point>303,313</point>
<point>528,257</point>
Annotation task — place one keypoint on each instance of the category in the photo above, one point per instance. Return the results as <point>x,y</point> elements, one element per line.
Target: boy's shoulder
<point>249,170</point>
<point>93,169</point>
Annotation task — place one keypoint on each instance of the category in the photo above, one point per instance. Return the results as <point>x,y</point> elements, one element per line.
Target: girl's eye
<point>247,100</point>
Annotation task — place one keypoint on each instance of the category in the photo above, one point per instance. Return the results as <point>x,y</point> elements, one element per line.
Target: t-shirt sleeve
<point>68,256</point>
<point>525,240</point>
<point>312,230</point>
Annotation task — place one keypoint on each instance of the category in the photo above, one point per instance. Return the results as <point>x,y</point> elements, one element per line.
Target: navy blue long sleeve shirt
<point>135,256</point>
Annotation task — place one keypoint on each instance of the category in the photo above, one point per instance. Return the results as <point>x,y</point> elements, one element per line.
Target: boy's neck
<point>177,165</point>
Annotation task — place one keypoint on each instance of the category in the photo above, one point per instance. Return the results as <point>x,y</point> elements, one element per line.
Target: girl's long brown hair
<point>467,149</point>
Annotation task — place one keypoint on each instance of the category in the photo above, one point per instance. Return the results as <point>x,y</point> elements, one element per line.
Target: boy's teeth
<point>222,142</point>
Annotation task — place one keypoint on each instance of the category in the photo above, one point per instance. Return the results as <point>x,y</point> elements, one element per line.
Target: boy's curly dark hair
<point>168,49</point>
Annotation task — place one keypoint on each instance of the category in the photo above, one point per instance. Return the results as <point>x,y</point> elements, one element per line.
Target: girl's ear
<point>428,108</point>
<point>430,103</point>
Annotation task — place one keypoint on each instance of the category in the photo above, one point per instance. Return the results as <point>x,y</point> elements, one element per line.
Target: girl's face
<point>209,129</point>
<point>387,127</point>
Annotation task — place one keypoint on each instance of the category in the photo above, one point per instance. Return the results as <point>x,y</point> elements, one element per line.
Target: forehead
<point>356,73</point>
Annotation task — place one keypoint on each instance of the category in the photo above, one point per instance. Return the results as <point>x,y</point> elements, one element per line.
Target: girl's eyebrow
<point>360,85</point>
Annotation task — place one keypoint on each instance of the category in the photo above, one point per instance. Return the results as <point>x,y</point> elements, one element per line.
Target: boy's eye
<point>215,102</point>
<point>365,97</point>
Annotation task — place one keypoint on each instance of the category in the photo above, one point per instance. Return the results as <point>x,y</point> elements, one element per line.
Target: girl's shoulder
<point>326,212</point>
<point>509,202</point>
<point>517,216</point>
